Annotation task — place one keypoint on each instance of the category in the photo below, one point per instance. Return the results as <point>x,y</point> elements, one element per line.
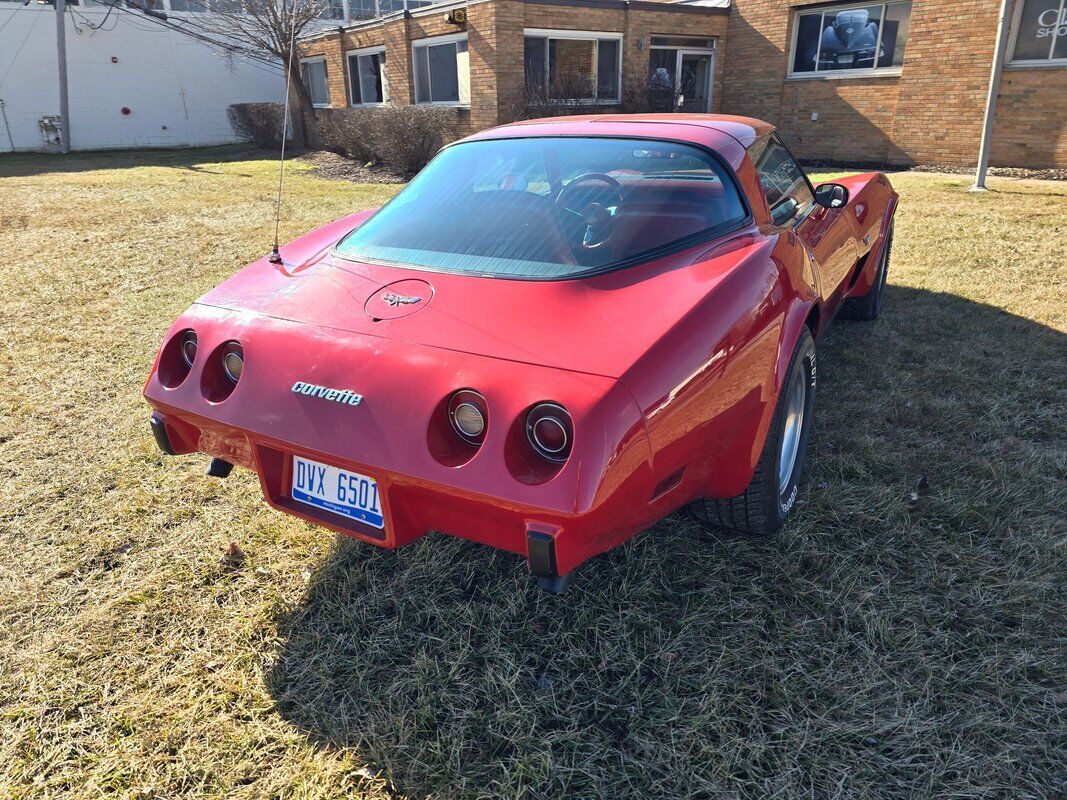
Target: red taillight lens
<point>188,348</point>
<point>469,416</point>
<point>550,431</point>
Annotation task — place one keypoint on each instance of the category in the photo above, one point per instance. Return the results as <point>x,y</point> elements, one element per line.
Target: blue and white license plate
<point>338,490</point>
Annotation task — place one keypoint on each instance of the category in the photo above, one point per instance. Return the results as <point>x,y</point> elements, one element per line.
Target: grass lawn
<point>886,644</point>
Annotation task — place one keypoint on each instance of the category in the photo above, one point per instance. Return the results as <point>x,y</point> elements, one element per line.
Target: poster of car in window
<point>852,38</point>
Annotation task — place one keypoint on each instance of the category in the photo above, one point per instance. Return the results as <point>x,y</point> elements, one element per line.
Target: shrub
<point>263,123</point>
<point>401,138</point>
<point>638,97</point>
<point>647,97</point>
<point>407,137</point>
<point>347,131</point>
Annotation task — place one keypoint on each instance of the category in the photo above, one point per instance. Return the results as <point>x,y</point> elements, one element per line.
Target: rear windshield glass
<point>549,207</point>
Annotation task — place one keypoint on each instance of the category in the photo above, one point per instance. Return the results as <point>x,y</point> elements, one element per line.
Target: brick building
<point>894,82</point>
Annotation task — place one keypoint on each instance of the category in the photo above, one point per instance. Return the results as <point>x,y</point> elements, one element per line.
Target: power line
<point>210,40</point>
<point>90,25</point>
<point>15,14</point>
<point>25,39</point>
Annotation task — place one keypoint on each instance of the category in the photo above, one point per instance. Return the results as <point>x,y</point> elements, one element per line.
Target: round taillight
<point>233,361</point>
<point>188,348</point>
<point>550,431</point>
<point>469,416</point>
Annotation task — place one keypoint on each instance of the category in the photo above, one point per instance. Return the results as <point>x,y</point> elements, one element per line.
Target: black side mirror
<point>784,210</point>
<point>831,195</point>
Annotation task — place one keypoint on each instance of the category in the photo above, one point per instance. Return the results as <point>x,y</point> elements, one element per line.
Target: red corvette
<point>559,332</point>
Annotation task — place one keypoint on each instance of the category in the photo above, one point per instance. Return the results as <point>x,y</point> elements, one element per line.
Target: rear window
<point>545,208</point>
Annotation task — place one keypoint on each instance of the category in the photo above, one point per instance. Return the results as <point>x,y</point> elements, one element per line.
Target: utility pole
<point>61,50</point>
<point>991,100</point>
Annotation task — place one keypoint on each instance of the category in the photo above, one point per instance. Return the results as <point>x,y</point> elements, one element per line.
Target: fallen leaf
<point>233,557</point>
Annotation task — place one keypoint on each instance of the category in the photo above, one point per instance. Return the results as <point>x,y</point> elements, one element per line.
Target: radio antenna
<point>275,255</point>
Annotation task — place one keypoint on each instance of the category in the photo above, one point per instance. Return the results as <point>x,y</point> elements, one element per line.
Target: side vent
<point>858,269</point>
<point>667,484</point>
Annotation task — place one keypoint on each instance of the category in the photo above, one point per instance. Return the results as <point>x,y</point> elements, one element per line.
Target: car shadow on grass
<point>895,640</point>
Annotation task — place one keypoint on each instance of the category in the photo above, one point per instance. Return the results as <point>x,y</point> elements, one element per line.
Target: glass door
<point>694,71</point>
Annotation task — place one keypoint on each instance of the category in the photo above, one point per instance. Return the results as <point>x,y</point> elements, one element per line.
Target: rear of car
<point>358,433</point>
<point>452,362</point>
<point>557,333</point>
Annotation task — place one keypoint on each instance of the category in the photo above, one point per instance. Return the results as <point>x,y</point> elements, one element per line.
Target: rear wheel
<point>869,306</point>
<point>763,506</point>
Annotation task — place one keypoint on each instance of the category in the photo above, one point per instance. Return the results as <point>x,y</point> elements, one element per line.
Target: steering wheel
<point>593,207</point>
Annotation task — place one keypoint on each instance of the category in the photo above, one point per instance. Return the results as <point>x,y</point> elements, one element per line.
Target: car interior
<point>540,217</point>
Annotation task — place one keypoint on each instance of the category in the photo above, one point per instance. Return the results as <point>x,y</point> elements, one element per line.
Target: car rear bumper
<point>553,542</point>
<point>398,434</point>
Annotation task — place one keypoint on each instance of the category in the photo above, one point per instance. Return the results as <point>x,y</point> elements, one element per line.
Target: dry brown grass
<point>882,646</point>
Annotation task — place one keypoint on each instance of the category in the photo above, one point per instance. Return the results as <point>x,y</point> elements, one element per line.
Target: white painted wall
<point>177,89</point>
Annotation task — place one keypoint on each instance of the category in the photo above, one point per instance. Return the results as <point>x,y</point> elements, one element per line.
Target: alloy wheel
<point>794,425</point>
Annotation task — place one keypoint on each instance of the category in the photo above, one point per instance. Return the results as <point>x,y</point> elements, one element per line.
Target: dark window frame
<point>305,74</point>
<point>1056,40</point>
<point>776,139</point>
<point>354,77</point>
<point>548,35</point>
<point>726,172</point>
<point>800,13</point>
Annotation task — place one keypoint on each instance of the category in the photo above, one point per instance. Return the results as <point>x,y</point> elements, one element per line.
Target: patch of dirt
<point>337,167</point>
<point>996,172</point>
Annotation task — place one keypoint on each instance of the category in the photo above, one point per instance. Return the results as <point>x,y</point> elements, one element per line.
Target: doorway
<point>694,81</point>
<point>686,72</point>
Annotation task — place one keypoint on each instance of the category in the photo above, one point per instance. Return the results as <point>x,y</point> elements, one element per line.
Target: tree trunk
<point>299,103</point>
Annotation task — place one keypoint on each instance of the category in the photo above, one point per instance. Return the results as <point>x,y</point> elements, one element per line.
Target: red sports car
<point>559,332</point>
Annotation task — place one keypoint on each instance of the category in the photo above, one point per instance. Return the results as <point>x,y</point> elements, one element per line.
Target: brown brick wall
<point>931,113</point>
<point>1031,128</point>
<point>643,24</point>
<point>636,25</point>
<point>495,46</point>
<point>392,36</point>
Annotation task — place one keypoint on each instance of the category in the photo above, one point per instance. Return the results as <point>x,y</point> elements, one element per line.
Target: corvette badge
<point>343,396</point>
<point>394,299</point>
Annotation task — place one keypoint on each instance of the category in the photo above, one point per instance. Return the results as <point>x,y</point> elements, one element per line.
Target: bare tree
<point>265,28</point>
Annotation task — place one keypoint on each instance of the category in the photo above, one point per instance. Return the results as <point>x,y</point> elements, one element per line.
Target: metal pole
<point>61,48</point>
<point>991,100</point>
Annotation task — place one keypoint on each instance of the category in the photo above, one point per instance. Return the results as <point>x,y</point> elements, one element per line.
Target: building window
<point>442,70</point>
<point>366,77</point>
<point>314,75</point>
<point>850,39</point>
<point>192,6</point>
<point>1039,32</point>
<point>365,9</point>
<point>332,9</point>
<point>573,66</point>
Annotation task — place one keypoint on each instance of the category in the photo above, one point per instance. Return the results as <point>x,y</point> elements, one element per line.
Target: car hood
<point>597,325</point>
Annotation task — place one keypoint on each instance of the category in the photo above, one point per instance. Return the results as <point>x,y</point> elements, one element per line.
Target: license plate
<point>844,58</point>
<point>338,490</point>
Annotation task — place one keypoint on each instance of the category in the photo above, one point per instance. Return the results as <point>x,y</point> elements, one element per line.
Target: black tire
<point>869,306</point>
<point>766,502</point>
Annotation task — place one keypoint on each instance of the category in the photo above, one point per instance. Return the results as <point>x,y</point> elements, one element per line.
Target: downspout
<point>792,116</point>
